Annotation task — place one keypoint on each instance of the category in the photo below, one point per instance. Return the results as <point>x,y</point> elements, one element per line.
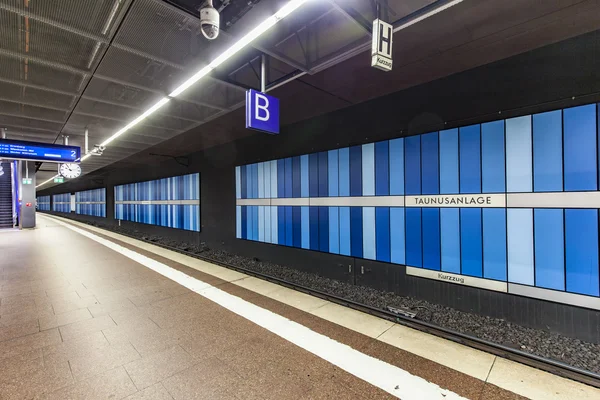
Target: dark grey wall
<point>556,76</point>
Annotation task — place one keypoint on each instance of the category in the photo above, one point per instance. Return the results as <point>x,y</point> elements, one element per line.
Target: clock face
<point>70,171</point>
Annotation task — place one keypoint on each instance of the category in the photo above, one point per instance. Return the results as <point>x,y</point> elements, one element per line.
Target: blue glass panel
<point>356,232</point>
<point>244,179</point>
<point>450,239</point>
<point>518,155</point>
<point>324,229</point>
<point>519,223</point>
<point>412,166</point>
<point>382,233</point>
<point>547,152</point>
<point>304,175</point>
<point>305,228</point>
<point>345,248</point>
<point>288,178</point>
<point>449,161</point>
<point>344,171</point>
<point>413,237</point>
<point>549,248</point>
<point>314,228</point>
<point>281,222</point>
<point>397,234</point>
<point>431,238</point>
<point>382,168</point>
<point>494,243</point>
<point>296,178</point>
<point>397,167</point>
<point>333,172</point>
<point>470,159</point>
<point>334,230</point>
<point>471,242</point>
<point>581,165</point>
<point>289,228</point>
<point>296,227</point>
<point>313,173</point>
<point>323,171</point>
<point>430,164</point>
<point>280,178</point>
<point>356,171</point>
<point>581,248</point>
<point>368,169</point>
<point>493,169</point>
<point>369,245</point>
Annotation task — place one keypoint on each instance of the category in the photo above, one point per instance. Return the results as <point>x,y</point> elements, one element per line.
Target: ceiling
<point>65,68</point>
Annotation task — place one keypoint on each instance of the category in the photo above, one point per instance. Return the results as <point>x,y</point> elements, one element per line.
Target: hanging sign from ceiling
<point>22,150</point>
<point>381,45</point>
<point>262,112</point>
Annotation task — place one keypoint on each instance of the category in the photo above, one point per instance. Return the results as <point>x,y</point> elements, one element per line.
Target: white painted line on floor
<point>387,377</point>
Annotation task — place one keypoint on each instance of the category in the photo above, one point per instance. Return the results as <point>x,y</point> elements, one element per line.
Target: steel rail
<point>532,360</point>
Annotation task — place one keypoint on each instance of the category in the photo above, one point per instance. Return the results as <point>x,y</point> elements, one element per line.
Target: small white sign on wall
<point>381,45</point>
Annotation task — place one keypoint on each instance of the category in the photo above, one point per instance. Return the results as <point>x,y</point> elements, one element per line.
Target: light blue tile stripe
<point>368,171</point>
<point>369,245</point>
<point>450,239</point>
<point>273,179</point>
<point>261,223</point>
<point>334,230</point>
<point>305,226</point>
<point>344,171</point>
<point>261,181</point>
<point>274,222</point>
<point>449,161</point>
<point>520,245</point>
<point>397,235</point>
<point>332,172</point>
<point>304,176</point>
<point>519,168</point>
<point>267,217</point>
<point>396,167</point>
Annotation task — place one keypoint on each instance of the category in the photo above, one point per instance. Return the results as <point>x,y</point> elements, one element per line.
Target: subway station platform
<point>90,314</point>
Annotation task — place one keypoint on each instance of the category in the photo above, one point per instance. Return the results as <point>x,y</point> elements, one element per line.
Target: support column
<point>27,194</point>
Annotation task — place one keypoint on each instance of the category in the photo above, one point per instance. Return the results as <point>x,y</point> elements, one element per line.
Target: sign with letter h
<point>262,112</point>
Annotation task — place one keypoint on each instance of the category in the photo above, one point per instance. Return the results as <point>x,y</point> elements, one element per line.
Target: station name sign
<point>470,200</point>
<point>22,150</point>
<point>262,112</point>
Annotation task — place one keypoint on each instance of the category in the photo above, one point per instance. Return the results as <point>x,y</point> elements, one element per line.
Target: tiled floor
<point>80,321</point>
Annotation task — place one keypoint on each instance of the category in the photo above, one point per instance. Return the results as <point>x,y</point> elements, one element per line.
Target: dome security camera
<point>209,21</point>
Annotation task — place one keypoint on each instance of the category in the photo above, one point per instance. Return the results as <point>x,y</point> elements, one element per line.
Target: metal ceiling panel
<point>6,120</point>
<point>117,93</point>
<point>188,110</point>
<point>29,95</point>
<point>24,110</point>
<point>35,39</point>
<point>13,68</point>
<point>161,30</point>
<point>214,92</point>
<point>99,17</point>
<point>137,70</point>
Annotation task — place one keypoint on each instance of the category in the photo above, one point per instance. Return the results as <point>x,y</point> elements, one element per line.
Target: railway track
<point>532,360</point>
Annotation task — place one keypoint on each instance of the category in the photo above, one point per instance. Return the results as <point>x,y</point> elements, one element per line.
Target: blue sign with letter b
<point>262,112</point>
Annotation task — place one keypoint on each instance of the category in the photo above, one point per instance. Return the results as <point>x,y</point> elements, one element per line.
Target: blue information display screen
<point>38,151</point>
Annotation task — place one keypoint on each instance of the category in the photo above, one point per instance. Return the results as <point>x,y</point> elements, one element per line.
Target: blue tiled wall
<point>61,202</point>
<point>543,167</point>
<point>91,202</point>
<point>172,202</point>
<point>43,203</point>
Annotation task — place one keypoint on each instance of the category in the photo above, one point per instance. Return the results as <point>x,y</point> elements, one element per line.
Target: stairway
<point>6,201</point>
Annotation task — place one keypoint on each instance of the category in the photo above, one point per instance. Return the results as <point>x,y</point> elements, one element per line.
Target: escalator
<point>6,196</point>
